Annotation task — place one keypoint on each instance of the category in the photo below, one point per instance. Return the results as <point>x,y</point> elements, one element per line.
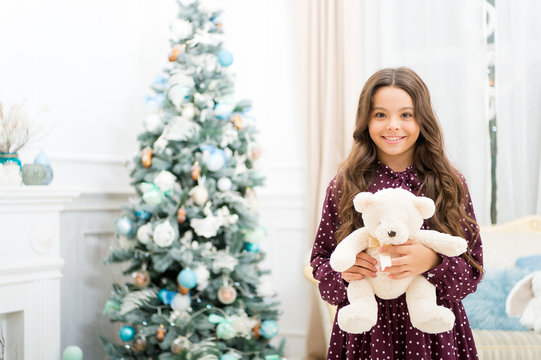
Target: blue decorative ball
<point>187,278</point>
<point>127,333</point>
<point>225,58</point>
<point>269,329</point>
<point>166,296</point>
<point>125,226</point>
<point>251,247</point>
<point>143,215</point>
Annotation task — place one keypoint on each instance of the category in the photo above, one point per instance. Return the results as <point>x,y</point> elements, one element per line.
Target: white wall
<point>88,65</point>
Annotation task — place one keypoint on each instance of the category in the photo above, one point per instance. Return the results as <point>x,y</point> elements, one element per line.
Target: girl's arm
<point>454,278</point>
<point>331,284</point>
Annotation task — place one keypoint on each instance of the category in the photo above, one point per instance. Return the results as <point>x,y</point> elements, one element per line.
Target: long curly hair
<point>440,180</point>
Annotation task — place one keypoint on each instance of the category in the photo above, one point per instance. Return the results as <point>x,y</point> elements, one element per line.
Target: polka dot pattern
<point>393,336</point>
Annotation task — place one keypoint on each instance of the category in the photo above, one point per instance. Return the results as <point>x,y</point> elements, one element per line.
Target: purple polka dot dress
<point>393,336</point>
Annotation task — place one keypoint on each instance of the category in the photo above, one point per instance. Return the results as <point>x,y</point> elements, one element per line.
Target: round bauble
<point>141,278</point>
<point>199,194</point>
<point>164,234</point>
<point>72,353</point>
<point>251,247</point>
<point>214,161</point>
<point>225,330</point>
<point>187,278</point>
<point>144,233</point>
<point>269,329</point>
<point>224,184</point>
<point>126,333</point>
<point>181,302</point>
<point>227,294</point>
<point>179,344</point>
<point>166,296</point>
<point>225,58</point>
<point>153,197</point>
<point>160,333</point>
<point>139,343</point>
<point>143,214</point>
<point>125,226</point>
<point>255,236</point>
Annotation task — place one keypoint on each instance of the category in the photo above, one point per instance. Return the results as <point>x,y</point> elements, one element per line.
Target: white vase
<point>10,174</point>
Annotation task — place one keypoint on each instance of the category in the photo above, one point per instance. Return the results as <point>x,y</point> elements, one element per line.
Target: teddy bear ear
<point>362,201</point>
<point>425,206</point>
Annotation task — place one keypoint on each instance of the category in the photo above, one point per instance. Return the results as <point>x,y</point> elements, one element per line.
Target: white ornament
<point>208,227</point>
<point>153,122</point>
<point>188,111</point>
<point>181,29</point>
<point>164,234</point>
<point>203,275</point>
<point>224,184</point>
<point>165,180</point>
<point>199,194</point>
<point>223,260</point>
<point>10,174</point>
<point>243,324</point>
<point>144,233</point>
<point>213,161</point>
<point>181,303</point>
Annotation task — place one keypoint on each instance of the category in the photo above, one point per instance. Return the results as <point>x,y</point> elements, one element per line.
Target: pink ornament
<point>227,294</point>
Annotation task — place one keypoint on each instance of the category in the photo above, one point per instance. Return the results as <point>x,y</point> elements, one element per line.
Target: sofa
<point>503,245</point>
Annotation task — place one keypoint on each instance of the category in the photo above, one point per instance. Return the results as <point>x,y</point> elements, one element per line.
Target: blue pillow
<point>532,262</point>
<point>486,307</point>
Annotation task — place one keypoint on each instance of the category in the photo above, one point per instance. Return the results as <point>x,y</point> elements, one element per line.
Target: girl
<point>398,143</point>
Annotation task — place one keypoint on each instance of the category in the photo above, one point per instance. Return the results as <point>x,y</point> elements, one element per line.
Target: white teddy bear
<point>524,300</point>
<point>391,217</point>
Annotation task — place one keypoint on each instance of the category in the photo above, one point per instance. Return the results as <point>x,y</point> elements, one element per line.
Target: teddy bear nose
<point>391,233</point>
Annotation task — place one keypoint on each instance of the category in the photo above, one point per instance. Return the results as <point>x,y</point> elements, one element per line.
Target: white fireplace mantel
<point>30,265</point>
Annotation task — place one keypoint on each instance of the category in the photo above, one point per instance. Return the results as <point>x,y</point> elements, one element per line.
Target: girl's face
<point>393,128</point>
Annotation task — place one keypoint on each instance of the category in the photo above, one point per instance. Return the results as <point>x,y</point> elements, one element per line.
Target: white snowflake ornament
<point>164,234</point>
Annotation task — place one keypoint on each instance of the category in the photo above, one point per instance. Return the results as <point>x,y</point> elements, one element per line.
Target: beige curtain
<point>332,88</point>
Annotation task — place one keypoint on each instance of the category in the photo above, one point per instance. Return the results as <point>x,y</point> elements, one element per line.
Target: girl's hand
<point>410,258</point>
<point>364,266</point>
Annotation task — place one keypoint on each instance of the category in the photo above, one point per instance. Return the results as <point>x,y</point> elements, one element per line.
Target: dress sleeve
<point>455,278</point>
<point>331,285</point>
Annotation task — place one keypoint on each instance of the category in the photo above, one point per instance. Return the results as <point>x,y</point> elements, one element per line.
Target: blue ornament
<point>251,247</point>
<point>187,278</point>
<point>41,159</point>
<point>127,333</point>
<point>143,214</point>
<point>166,296</point>
<point>269,329</point>
<point>125,227</point>
<point>225,58</point>
<point>223,110</point>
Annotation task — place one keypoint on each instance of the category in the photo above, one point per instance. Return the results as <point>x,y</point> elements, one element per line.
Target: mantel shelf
<point>14,198</point>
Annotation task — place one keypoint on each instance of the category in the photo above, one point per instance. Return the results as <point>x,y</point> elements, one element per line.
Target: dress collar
<point>407,179</point>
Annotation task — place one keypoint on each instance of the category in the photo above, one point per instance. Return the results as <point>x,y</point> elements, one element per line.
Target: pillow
<point>532,262</point>
<point>486,307</point>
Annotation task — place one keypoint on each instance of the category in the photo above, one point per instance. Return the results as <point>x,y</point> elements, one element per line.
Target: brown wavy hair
<point>440,180</point>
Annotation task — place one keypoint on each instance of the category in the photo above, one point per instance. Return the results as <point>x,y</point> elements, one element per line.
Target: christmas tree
<point>191,235</point>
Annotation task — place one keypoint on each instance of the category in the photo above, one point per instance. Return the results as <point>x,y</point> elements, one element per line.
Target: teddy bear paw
<point>433,321</point>
<point>354,319</point>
